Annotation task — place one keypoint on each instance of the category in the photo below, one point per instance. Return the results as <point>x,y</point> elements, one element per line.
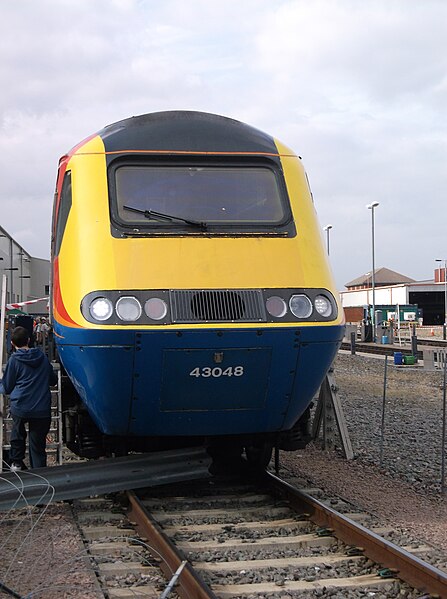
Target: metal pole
<point>445,294</point>
<point>353,336</point>
<point>373,280</point>
<point>382,427</point>
<point>3,318</point>
<point>2,347</point>
<point>414,345</point>
<point>173,580</point>
<point>11,258</point>
<point>444,415</point>
<point>21,275</point>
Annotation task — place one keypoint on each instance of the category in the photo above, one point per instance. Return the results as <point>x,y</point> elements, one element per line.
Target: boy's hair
<point>20,337</point>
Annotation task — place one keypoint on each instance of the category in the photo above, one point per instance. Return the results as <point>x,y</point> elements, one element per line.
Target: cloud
<point>381,50</point>
<point>358,89</point>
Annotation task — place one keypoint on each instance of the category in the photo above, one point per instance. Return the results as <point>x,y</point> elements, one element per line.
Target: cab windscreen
<point>218,195</point>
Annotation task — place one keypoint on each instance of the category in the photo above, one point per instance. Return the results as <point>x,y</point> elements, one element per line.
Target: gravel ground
<point>413,417</point>
<point>41,550</point>
<point>42,555</point>
<point>405,490</point>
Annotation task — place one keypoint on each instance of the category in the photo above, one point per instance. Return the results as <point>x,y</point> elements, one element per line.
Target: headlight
<point>300,306</point>
<point>128,308</point>
<point>156,308</point>
<point>101,308</point>
<point>276,306</point>
<point>323,306</point>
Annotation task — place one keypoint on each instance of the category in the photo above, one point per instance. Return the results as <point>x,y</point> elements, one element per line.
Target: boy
<point>27,380</point>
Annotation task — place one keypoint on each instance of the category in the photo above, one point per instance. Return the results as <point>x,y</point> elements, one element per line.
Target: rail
<point>379,349</point>
<point>191,586</point>
<point>409,567</point>
<point>391,558</point>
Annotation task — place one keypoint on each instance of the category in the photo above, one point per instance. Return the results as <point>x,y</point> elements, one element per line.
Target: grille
<point>217,305</point>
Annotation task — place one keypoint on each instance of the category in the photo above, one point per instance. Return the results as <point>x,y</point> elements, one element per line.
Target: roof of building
<point>382,276</point>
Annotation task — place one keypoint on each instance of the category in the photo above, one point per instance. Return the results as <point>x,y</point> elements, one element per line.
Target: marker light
<point>156,308</point>
<point>323,306</point>
<point>101,308</point>
<point>300,306</point>
<point>128,308</point>
<point>276,306</point>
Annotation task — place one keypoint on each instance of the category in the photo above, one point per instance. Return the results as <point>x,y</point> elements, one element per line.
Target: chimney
<point>440,275</point>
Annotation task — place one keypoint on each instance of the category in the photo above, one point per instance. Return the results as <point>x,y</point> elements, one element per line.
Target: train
<point>192,300</point>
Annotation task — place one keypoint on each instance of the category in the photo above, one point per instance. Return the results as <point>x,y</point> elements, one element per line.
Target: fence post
<point>444,416</point>
<point>414,347</point>
<point>382,428</point>
<point>353,336</point>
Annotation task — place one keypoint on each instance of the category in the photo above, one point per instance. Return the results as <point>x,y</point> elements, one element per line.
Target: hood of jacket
<point>33,356</point>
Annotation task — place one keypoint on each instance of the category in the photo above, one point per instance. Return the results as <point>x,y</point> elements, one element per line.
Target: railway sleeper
<point>271,544</point>
<point>227,515</point>
<point>285,524</point>
<point>371,581</point>
<point>124,568</point>
<point>270,558</point>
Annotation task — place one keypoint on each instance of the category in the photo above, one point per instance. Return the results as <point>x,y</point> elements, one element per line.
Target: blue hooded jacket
<point>27,379</point>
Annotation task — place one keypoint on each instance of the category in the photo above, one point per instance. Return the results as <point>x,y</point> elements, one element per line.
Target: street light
<point>327,228</point>
<point>373,281</point>
<point>445,287</point>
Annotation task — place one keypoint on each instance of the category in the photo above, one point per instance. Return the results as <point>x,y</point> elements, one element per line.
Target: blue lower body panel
<point>197,382</point>
<point>210,380</point>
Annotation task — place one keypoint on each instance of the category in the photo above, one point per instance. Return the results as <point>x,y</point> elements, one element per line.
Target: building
<point>28,278</point>
<point>416,299</point>
<point>382,277</point>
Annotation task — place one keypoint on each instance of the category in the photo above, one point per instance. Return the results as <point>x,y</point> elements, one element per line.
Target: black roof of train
<point>185,131</point>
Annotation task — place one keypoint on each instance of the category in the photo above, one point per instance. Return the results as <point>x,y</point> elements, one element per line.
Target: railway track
<point>230,538</point>
<point>382,349</point>
<point>378,349</point>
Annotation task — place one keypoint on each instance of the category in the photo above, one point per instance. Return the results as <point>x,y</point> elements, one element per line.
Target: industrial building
<point>422,301</point>
<point>28,278</point>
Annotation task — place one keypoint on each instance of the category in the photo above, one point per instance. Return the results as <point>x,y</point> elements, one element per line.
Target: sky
<point>357,89</point>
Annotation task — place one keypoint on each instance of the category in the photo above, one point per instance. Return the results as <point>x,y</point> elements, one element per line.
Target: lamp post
<point>373,281</point>
<point>21,275</point>
<point>445,288</point>
<point>327,228</point>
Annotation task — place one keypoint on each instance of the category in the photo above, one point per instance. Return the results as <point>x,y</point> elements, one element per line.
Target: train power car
<point>192,300</point>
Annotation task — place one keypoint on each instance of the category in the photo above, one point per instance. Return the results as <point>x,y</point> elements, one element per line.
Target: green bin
<point>409,360</point>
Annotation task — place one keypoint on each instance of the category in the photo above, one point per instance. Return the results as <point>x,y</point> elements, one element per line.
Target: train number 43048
<point>217,372</point>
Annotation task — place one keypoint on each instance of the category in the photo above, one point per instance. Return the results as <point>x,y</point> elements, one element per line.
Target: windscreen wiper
<point>151,214</point>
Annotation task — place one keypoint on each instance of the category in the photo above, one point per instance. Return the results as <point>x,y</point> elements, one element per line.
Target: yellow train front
<point>191,295</point>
